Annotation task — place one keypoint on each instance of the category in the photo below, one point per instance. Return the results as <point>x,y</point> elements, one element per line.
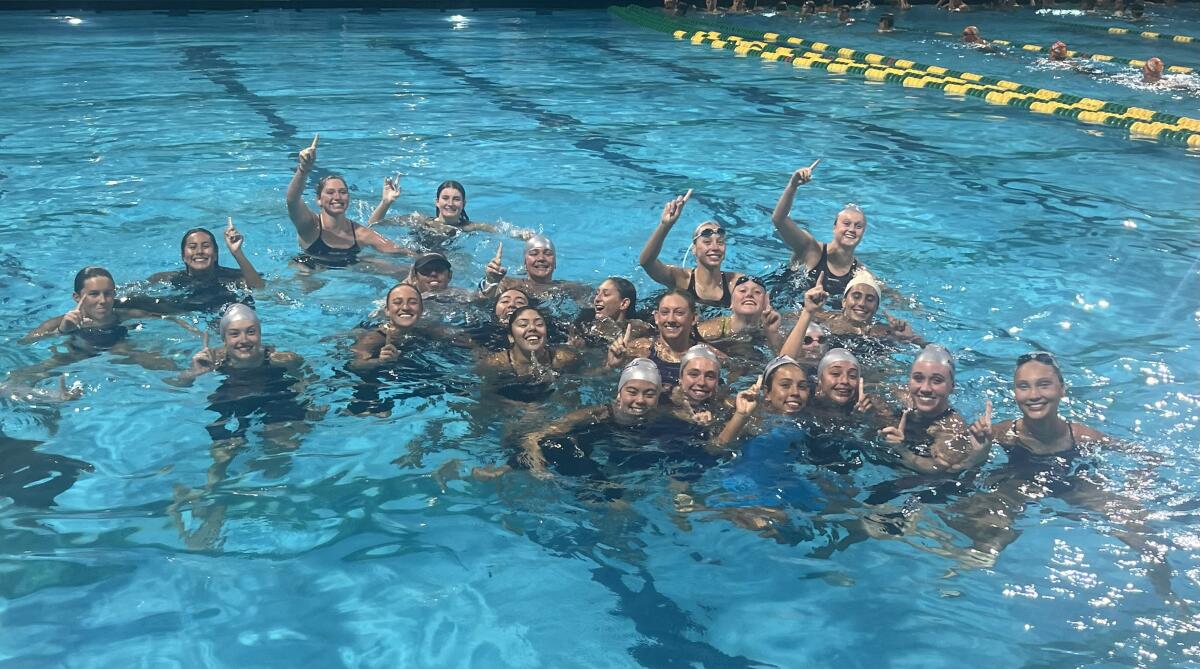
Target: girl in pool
<point>751,316</point>
<point>206,284</point>
<point>327,237</point>
<point>241,334</point>
<point>613,308</point>
<point>840,391</point>
<point>96,324</point>
<point>706,284</point>
<point>1040,434</point>
<point>860,304</point>
<point>403,307</point>
<point>696,398</point>
<point>934,438</point>
<point>675,323</point>
<point>450,214</point>
<point>529,362</point>
<point>541,259</point>
<point>835,259</point>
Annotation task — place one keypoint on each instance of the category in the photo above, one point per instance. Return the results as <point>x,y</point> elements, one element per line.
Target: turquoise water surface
<point>1008,231</point>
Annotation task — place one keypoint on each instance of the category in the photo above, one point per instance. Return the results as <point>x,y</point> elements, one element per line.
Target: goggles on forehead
<point>718,232</point>
<point>1038,356</point>
<point>746,277</point>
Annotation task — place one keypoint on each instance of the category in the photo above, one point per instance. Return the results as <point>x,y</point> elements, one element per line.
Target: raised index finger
<point>499,252</point>
<point>315,138</point>
<point>229,222</point>
<point>821,281</point>
<point>814,165</point>
<point>204,340</point>
<point>687,196</point>
<point>987,412</point>
<point>628,333</point>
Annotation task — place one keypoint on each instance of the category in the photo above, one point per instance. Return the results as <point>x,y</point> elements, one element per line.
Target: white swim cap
<point>837,355</point>
<point>699,351</point>
<point>237,312</point>
<point>640,369</point>
<point>936,353</point>
<point>696,232</point>
<point>776,364</point>
<point>539,242</point>
<point>863,278</point>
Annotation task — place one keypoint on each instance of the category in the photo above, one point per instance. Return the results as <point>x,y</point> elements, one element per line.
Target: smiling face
<point>403,308</point>
<point>334,197</point>
<point>674,317</point>
<point>930,384</point>
<point>699,379</point>
<point>608,302</point>
<point>99,293</point>
<point>860,304</point>
<point>199,252</point>
<point>243,342</point>
<point>450,203</point>
<point>433,277</point>
<point>749,299</point>
<point>508,302</point>
<point>849,228</point>
<point>788,391</point>
<point>637,397</point>
<point>813,344</point>
<point>839,383</point>
<point>1038,390</point>
<point>540,264</point>
<point>709,245</point>
<point>528,331</point>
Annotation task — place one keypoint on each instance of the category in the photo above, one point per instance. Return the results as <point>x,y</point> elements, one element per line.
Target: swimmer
<point>840,391</point>
<point>403,307</point>
<point>836,259</point>
<point>933,437</point>
<point>1038,388</point>
<point>860,304</point>
<point>613,307</point>
<point>541,259</point>
<point>201,269</point>
<point>843,16</point>
<point>887,24</point>
<point>327,237</point>
<point>636,402</point>
<point>809,8</point>
<point>431,274</point>
<point>241,334</point>
<point>751,315</point>
<point>675,319</point>
<point>529,357</point>
<point>450,211</point>
<point>815,344</point>
<point>707,284</point>
<point>903,5</point>
<point>1152,71</point>
<point>1058,51</point>
<point>695,398</point>
<point>970,35</point>
<point>95,324</point>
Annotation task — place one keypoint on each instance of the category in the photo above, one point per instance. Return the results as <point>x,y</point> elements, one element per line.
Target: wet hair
<point>462,214</point>
<point>89,272</point>
<point>512,318</point>
<point>388,298</point>
<point>329,177</point>
<point>1043,357</point>
<point>211,236</point>
<point>691,301</point>
<point>529,301</point>
<point>887,20</point>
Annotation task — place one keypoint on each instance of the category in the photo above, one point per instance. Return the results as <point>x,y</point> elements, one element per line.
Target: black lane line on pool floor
<point>207,60</point>
<point>592,142</point>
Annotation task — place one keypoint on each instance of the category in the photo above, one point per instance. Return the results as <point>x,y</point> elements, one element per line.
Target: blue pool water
<point>1009,231</point>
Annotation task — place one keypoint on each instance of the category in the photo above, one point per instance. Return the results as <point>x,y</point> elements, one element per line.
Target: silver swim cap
<point>696,232</point>
<point>776,364</point>
<point>237,312</point>
<point>863,278</point>
<point>936,353</point>
<point>817,329</point>
<point>640,369</point>
<point>698,351</point>
<point>837,355</point>
<point>539,242</point>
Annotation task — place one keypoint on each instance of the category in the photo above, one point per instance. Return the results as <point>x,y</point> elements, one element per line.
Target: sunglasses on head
<point>1038,356</point>
<point>746,277</point>
<point>710,232</point>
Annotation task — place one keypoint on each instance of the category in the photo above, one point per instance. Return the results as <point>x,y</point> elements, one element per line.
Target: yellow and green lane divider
<point>799,52</point>
<point>1099,57</point>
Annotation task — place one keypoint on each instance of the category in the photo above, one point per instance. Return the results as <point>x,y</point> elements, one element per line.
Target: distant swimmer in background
<point>971,37</point>
<point>810,258</point>
<point>327,237</point>
<point>1152,71</point>
<point>1058,51</point>
<point>707,283</point>
<point>203,284</point>
<point>449,220</point>
<point>887,24</point>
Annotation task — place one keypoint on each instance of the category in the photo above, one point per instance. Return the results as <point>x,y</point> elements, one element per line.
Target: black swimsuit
<point>320,254</point>
<point>1057,465</point>
<point>668,371</point>
<point>102,338</point>
<point>726,300</point>
<point>835,284</point>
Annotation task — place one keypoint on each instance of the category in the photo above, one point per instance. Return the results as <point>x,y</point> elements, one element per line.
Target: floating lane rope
<point>1177,69</point>
<point>1167,128</point>
<point>1181,39</point>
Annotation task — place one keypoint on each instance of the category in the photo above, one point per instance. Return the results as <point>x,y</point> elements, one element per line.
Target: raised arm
<point>307,222</point>
<point>391,191</point>
<point>813,299</point>
<point>233,240</point>
<point>658,270</point>
<point>744,405</point>
<point>799,240</point>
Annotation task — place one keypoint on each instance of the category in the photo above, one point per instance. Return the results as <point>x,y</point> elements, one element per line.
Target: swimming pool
<point>1010,231</point>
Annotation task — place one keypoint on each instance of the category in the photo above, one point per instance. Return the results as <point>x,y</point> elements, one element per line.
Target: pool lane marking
<point>1098,57</point>
<point>207,61</point>
<point>875,67</point>
<point>592,142</point>
<point>1130,32</point>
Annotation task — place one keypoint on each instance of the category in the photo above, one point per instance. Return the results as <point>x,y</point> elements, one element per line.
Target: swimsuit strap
<point>1071,431</point>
